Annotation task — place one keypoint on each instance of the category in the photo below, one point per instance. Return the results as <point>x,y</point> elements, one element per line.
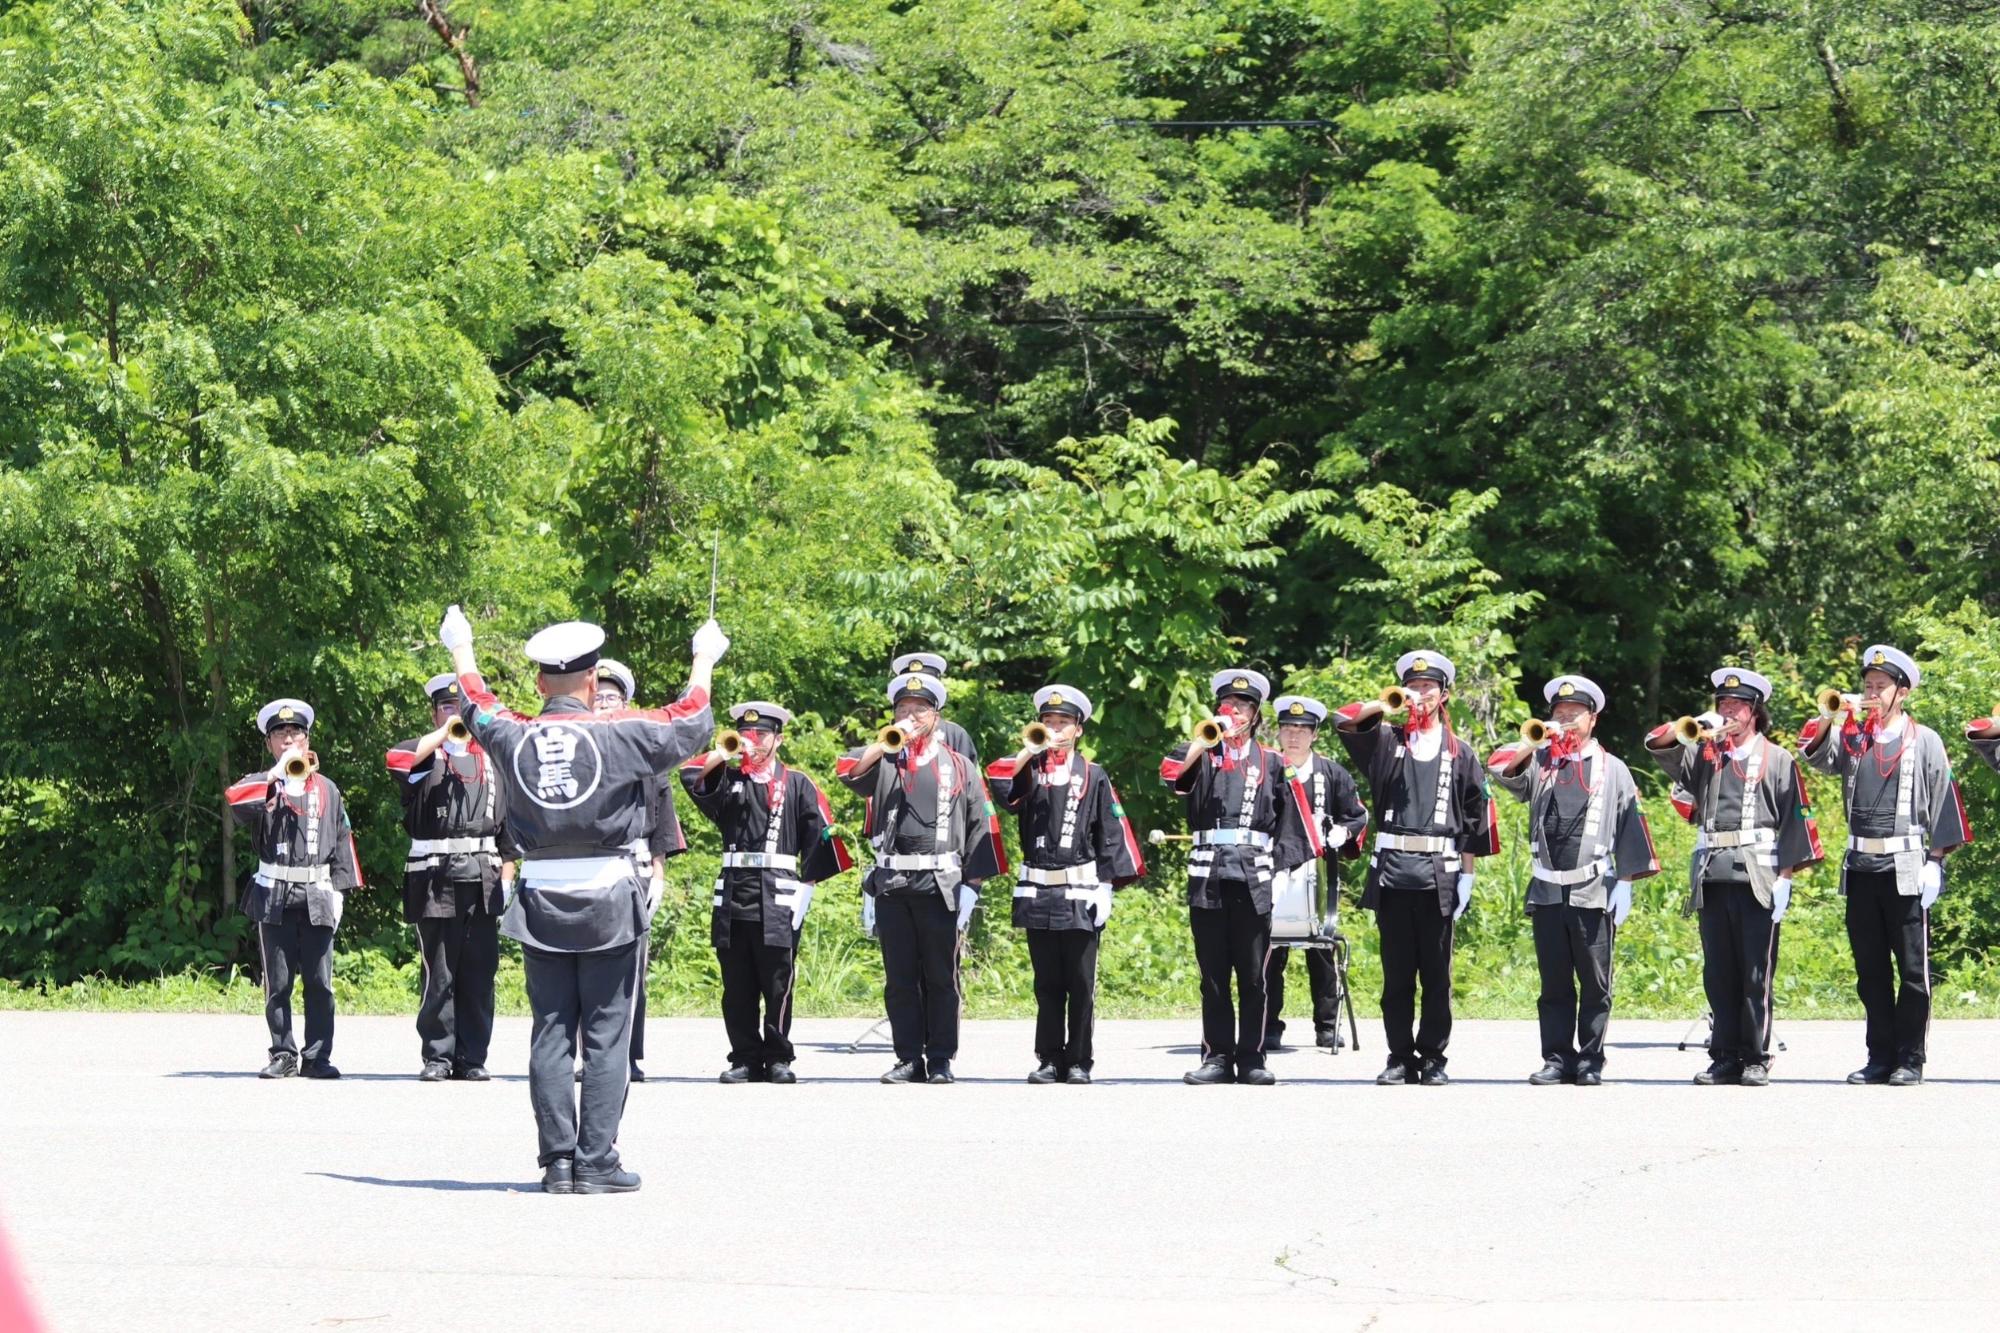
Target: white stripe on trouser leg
<point>1264,1018</point>
<point>791,980</point>
<point>1770,980</point>
<point>1930,1001</point>
<point>1093,995</point>
<point>958,989</point>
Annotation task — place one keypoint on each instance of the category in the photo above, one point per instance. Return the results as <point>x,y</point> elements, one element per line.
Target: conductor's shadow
<point>449,1186</point>
<point>344,1078</point>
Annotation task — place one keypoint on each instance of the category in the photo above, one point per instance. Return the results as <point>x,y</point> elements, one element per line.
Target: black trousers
<point>1739,954</point>
<point>919,973</point>
<point>754,972</point>
<point>1233,938</point>
<point>580,1001</point>
<point>1884,927</point>
<point>1065,995</point>
<point>455,1015</point>
<point>297,949</point>
<point>1573,952</point>
<point>1322,980</point>
<point>1416,940</point>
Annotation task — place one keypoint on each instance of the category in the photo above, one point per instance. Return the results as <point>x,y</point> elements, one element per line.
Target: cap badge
<point>1567,690</point>
<point>1297,708</point>
<point>287,713</point>
<point>1055,701</point>
<point>1421,664</point>
<point>750,715</point>
<point>1240,683</point>
<point>1879,658</point>
<point>1732,682</point>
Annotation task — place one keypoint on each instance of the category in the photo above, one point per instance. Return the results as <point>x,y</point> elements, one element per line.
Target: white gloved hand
<point>1621,901</point>
<point>968,898</point>
<point>868,915</point>
<point>710,641</point>
<point>1930,881</point>
<point>804,901</point>
<point>1464,894</point>
<point>1336,837</point>
<point>1781,898</point>
<point>1100,904</point>
<point>456,631</point>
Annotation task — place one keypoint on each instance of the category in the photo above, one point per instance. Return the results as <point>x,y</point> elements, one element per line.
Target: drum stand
<point>1343,994</point>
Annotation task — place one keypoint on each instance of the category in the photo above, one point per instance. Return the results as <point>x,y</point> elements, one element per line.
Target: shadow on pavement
<point>455,1186</point>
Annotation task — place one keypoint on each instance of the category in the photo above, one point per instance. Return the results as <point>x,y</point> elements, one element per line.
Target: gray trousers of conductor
<point>1065,964</point>
<point>1573,953</point>
<point>1415,940</point>
<point>1321,979</point>
<point>1739,956</point>
<point>295,949</point>
<point>455,1016</point>
<point>1233,938</point>
<point>1885,927</point>
<point>919,973</point>
<point>580,1001</point>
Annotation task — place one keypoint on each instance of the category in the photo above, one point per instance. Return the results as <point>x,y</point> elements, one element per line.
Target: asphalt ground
<point>151,1181</point>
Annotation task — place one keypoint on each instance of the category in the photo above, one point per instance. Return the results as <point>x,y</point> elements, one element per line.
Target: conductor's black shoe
<point>1257,1076</point>
<point>738,1074</point>
<point>941,1072</point>
<point>781,1072</point>
<point>909,1071</point>
<point>472,1074</point>
<point>435,1071</point>
<point>1756,1076</point>
<point>282,1066</point>
<point>319,1069</point>
<point>1433,1076</point>
<point>1906,1076</point>
<point>1215,1069</point>
<point>620,1181</point>
<point>1870,1073</point>
<point>1588,1078</point>
<point>1045,1073</point>
<point>1722,1071</point>
<point>637,1075</point>
<point>1397,1072</point>
<point>559,1177</point>
<point>1552,1071</point>
<point>1077,1074</point>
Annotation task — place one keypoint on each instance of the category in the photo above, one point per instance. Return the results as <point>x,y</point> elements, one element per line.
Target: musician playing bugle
<point>1756,832</point>
<point>1077,848</point>
<point>1904,816</point>
<point>454,809</point>
<point>305,866</point>
<point>1249,821</point>
<point>1590,842</point>
<point>1434,819</point>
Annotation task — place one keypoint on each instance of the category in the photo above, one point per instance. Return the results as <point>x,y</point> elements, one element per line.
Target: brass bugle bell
<point>892,738</point>
<point>1395,698</point>
<point>1690,731</point>
<point>1831,701</point>
<point>456,730</point>
<point>1208,732</point>
<point>730,743</point>
<point>1035,736</point>
<point>300,765</point>
<point>1534,731</point>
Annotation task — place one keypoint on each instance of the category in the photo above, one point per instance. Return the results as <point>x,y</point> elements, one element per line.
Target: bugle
<point>1832,701</point>
<point>1035,736</point>
<point>1207,733</point>
<point>456,730</point>
<point>730,743</point>
<point>1534,731</point>
<point>1394,698</point>
<point>892,738</point>
<point>1694,730</point>
<point>299,765</point>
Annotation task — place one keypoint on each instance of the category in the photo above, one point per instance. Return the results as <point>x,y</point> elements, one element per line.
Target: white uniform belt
<point>584,873</point>
<point>428,851</point>
<point>933,861</point>
<point>1568,878</point>
<point>1722,839</point>
<point>1232,837</point>
<point>759,861</point>
<point>1056,878</point>
<point>277,874</point>
<point>1908,842</point>
<point>1412,842</point>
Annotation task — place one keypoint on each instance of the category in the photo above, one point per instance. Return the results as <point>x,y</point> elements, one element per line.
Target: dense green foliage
<point>1622,336</point>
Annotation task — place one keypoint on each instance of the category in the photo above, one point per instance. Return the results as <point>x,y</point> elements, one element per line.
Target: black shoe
<point>1588,1078</point>
<point>319,1069</point>
<point>738,1074</point>
<point>435,1071</point>
<point>1275,1041</point>
<point>1906,1076</point>
<point>1433,1076</point>
<point>620,1181</point>
<point>1552,1071</point>
<point>781,1072</point>
<point>559,1177</point>
<point>941,1072</point>
<point>1077,1074</point>
<point>1870,1073</point>
<point>1258,1077</point>
<point>1397,1072</point>
<point>1215,1069</point>
<point>283,1065</point>
<point>1046,1073</point>
<point>1719,1073</point>
<point>1330,1040</point>
<point>637,1075</point>
<point>1756,1076</point>
<point>909,1071</point>
<point>472,1074</point>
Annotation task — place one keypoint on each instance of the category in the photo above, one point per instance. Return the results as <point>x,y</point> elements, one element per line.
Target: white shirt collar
<point>1896,728</point>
